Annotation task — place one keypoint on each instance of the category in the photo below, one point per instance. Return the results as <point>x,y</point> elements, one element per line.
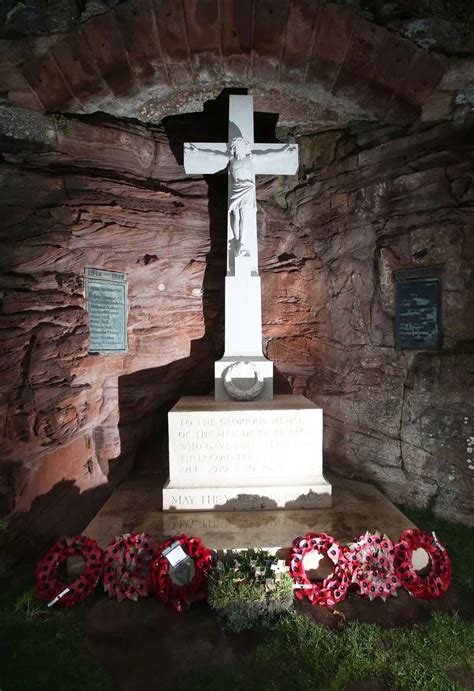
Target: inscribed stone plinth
<point>245,456</point>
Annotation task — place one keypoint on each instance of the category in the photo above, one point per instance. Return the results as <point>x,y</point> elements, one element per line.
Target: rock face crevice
<point>112,194</point>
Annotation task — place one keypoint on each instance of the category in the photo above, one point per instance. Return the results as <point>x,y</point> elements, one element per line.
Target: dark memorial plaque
<point>418,309</point>
<point>106,295</point>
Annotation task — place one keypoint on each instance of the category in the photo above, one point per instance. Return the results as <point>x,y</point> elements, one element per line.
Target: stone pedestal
<point>243,332</point>
<point>245,455</point>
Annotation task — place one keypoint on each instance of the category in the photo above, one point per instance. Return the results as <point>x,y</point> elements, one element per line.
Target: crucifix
<point>244,373</point>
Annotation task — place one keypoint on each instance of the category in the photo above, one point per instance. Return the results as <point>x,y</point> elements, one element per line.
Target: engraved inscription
<point>245,445</point>
<point>184,524</point>
<point>269,499</point>
<point>418,313</point>
<point>106,295</point>
<point>181,500</point>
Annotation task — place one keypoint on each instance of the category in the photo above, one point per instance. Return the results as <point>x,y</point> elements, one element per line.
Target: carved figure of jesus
<point>242,198</point>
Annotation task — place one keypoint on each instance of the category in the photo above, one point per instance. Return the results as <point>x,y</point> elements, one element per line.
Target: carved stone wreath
<point>239,371</point>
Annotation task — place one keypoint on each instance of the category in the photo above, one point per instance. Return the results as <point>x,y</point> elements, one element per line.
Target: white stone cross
<point>243,373</point>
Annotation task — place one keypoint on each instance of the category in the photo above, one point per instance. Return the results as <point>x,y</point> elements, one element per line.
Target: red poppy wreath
<point>56,592</point>
<point>332,589</point>
<point>179,571</point>
<point>127,563</point>
<point>437,581</point>
<point>371,566</point>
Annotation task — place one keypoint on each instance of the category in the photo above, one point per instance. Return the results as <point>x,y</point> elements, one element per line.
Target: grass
<point>243,600</point>
<point>43,649</point>
<point>304,656</point>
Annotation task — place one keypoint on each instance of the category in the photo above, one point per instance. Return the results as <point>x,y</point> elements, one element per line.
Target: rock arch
<point>152,58</point>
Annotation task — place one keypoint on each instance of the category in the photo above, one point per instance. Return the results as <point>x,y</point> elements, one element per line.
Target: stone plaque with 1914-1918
<point>107,305</point>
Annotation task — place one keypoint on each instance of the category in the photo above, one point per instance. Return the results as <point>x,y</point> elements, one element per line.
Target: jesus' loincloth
<point>242,194</point>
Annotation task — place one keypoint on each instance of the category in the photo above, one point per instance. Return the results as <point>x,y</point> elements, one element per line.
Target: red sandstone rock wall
<point>390,200</point>
<point>112,195</point>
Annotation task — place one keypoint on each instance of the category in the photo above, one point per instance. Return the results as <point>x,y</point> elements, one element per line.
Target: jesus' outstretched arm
<point>211,153</point>
<point>270,154</point>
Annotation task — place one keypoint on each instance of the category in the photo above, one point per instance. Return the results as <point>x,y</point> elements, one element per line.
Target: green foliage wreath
<point>248,589</point>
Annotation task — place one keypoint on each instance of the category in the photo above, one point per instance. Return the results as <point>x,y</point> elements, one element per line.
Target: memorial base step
<point>136,506</point>
<point>238,496</point>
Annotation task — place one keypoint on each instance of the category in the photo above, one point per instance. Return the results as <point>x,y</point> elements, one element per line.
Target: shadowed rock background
<point>385,130</point>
